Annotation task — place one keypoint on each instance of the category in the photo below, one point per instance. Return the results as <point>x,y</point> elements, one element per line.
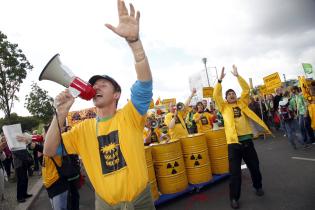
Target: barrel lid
<point>164,142</point>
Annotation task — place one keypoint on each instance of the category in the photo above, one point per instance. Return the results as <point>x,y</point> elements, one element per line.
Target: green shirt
<point>299,104</point>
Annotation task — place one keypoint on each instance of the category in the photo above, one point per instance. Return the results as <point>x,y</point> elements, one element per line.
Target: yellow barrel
<point>218,151</point>
<point>151,173</point>
<point>196,157</point>
<point>169,167</point>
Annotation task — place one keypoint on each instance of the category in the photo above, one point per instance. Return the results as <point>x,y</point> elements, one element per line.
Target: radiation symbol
<point>196,158</point>
<point>172,167</point>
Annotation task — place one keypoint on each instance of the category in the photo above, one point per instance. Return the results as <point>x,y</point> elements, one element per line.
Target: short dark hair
<point>296,88</point>
<point>228,91</point>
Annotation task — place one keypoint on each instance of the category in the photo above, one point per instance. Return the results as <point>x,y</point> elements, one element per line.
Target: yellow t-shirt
<point>179,129</point>
<point>204,124</point>
<point>155,137</point>
<point>49,172</point>
<point>115,160</point>
<point>241,122</point>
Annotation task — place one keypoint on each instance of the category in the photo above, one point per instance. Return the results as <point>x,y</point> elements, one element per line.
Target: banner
<point>207,92</point>
<point>272,81</point>
<point>308,69</point>
<point>78,116</point>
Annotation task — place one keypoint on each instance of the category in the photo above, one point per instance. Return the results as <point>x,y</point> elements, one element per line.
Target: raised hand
<point>194,91</point>
<point>234,72</point>
<point>222,74</point>
<point>128,26</point>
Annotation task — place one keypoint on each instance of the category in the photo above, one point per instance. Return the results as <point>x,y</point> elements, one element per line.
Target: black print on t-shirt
<point>204,121</point>
<point>110,153</point>
<point>237,112</point>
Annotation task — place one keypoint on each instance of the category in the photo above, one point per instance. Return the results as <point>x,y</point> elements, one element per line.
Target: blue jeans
<point>59,202</point>
<point>290,130</point>
<point>306,129</point>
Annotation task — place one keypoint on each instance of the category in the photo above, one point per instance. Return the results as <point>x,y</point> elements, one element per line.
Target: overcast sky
<point>260,36</point>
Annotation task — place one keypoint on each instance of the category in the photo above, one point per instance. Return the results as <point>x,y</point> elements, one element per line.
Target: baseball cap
<point>93,79</point>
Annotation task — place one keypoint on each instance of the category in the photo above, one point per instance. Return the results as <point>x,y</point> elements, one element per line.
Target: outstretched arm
<point>243,84</point>
<point>217,92</point>
<point>193,92</point>
<point>128,28</point>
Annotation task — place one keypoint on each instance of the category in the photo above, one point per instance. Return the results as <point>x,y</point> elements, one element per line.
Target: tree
<point>13,69</point>
<point>39,103</point>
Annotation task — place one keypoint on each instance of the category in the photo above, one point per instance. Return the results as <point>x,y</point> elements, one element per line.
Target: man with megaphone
<point>111,146</point>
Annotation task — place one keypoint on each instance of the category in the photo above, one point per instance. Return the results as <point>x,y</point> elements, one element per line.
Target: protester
<point>36,154</point>
<point>287,116</point>
<point>300,108</point>
<point>151,132</point>
<point>111,145</point>
<point>205,105</point>
<point>7,163</point>
<point>175,119</point>
<point>239,134</point>
<point>270,112</point>
<point>190,122</point>
<point>22,160</point>
<point>276,100</point>
<point>204,120</point>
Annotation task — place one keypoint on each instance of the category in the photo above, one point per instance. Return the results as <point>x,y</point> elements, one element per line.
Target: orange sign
<point>207,92</point>
<point>272,81</point>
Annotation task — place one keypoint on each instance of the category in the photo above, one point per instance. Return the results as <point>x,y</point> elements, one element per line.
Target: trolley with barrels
<point>186,164</point>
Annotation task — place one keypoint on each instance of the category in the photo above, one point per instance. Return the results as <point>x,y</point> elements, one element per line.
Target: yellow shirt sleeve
<point>245,90</point>
<point>217,96</point>
<point>133,116</point>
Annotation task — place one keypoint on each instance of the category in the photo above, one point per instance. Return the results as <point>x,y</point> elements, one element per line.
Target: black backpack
<point>70,165</point>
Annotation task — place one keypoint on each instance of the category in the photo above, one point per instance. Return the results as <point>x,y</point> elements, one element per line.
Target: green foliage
<point>39,103</point>
<point>27,123</point>
<point>13,69</point>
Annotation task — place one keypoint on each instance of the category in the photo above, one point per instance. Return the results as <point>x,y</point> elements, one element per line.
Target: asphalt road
<point>288,181</point>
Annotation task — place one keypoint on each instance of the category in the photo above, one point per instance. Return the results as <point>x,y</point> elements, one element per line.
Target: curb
<point>35,191</point>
